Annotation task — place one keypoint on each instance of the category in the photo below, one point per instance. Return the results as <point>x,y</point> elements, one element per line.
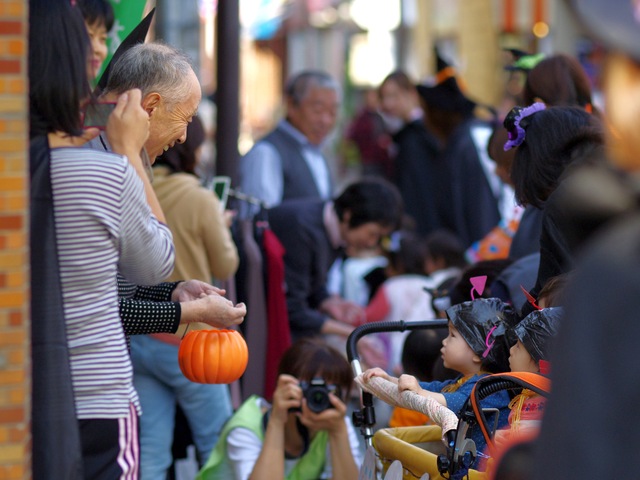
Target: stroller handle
<point>379,327</point>
<point>365,418</point>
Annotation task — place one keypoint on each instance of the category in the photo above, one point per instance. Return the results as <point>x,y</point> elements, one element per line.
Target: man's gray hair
<point>151,67</point>
<point>298,85</point>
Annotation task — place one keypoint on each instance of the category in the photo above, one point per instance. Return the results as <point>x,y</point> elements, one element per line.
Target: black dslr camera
<point>317,394</point>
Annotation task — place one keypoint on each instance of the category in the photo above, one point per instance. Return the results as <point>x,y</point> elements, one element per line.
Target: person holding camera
<point>303,434</point>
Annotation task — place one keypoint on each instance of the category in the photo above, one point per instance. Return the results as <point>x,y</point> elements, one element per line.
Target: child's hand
<point>377,372</point>
<point>408,383</point>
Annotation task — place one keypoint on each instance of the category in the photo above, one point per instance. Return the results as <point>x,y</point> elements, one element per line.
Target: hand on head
<point>128,125</point>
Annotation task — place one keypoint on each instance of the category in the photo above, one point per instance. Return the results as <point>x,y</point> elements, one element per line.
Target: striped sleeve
<point>145,245</point>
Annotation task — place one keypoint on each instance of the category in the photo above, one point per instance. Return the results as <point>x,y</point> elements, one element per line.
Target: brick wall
<point>14,255</point>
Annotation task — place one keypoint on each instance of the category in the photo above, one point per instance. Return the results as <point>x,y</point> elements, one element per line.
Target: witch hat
<point>445,94</point>
<point>137,35</point>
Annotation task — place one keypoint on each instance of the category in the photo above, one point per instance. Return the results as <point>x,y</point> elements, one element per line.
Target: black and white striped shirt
<point>103,225</point>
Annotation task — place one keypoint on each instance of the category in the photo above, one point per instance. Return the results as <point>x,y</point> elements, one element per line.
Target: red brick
<point>11,415</point>
<point>10,222</point>
<point>10,66</point>
<point>10,28</point>
<point>15,319</point>
<point>17,435</point>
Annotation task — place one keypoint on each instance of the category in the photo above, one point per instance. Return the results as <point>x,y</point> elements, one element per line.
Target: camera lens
<point>318,398</point>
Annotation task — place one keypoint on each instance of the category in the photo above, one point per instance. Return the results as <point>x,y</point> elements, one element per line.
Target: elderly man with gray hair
<point>170,89</point>
<point>170,95</point>
<point>288,162</point>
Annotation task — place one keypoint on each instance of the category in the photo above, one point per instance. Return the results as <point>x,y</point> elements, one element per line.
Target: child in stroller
<point>530,353</point>
<point>475,347</point>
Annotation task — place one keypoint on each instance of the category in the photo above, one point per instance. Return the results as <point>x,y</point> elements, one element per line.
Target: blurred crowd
<point>517,226</point>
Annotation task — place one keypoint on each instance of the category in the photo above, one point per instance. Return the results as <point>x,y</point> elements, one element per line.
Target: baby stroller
<point>402,443</point>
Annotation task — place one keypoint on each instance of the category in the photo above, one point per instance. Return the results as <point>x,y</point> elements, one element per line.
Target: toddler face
<point>457,354</point>
<point>520,360</point>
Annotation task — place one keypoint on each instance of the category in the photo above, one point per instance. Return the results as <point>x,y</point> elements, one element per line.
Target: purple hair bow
<point>514,126</point>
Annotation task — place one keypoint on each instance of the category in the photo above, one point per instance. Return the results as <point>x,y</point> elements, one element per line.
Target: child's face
<point>457,354</point>
<point>520,360</point>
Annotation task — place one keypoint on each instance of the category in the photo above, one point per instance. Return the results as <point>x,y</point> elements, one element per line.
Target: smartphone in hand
<point>221,186</point>
<point>96,115</point>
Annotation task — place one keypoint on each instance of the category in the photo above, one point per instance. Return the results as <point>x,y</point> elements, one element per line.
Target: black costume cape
<point>54,428</point>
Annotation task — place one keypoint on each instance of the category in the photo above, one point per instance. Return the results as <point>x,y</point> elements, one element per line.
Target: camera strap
<point>304,433</point>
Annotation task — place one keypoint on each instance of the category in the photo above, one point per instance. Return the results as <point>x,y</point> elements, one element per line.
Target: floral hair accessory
<point>516,123</point>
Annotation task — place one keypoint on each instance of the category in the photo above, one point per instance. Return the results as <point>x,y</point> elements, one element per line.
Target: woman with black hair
<point>98,18</point>
<point>415,150</point>
<point>550,143</point>
<point>560,81</point>
<point>81,235</point>
<point>304,432</point>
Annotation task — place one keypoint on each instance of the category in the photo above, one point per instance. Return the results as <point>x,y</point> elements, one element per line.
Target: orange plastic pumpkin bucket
<point>213,356</point>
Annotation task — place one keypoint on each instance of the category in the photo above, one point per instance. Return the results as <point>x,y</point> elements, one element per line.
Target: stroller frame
<point>365,418</point>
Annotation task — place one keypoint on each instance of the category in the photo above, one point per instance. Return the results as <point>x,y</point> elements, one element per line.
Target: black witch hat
<point>445,94</point>
<point>137,35</point>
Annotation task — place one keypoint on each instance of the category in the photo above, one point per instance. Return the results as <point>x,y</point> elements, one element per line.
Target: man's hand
<point>372,352</point>
<point>343,310</point>
<point>333,327</point>
<point>193,290</point>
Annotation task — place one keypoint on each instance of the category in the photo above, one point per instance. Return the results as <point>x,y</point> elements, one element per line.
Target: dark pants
<point>110,448</point>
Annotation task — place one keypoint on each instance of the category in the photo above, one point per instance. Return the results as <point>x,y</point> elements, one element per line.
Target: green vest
<point>249,416</point>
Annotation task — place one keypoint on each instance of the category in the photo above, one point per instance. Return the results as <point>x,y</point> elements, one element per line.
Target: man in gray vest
<point>288,162</point>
